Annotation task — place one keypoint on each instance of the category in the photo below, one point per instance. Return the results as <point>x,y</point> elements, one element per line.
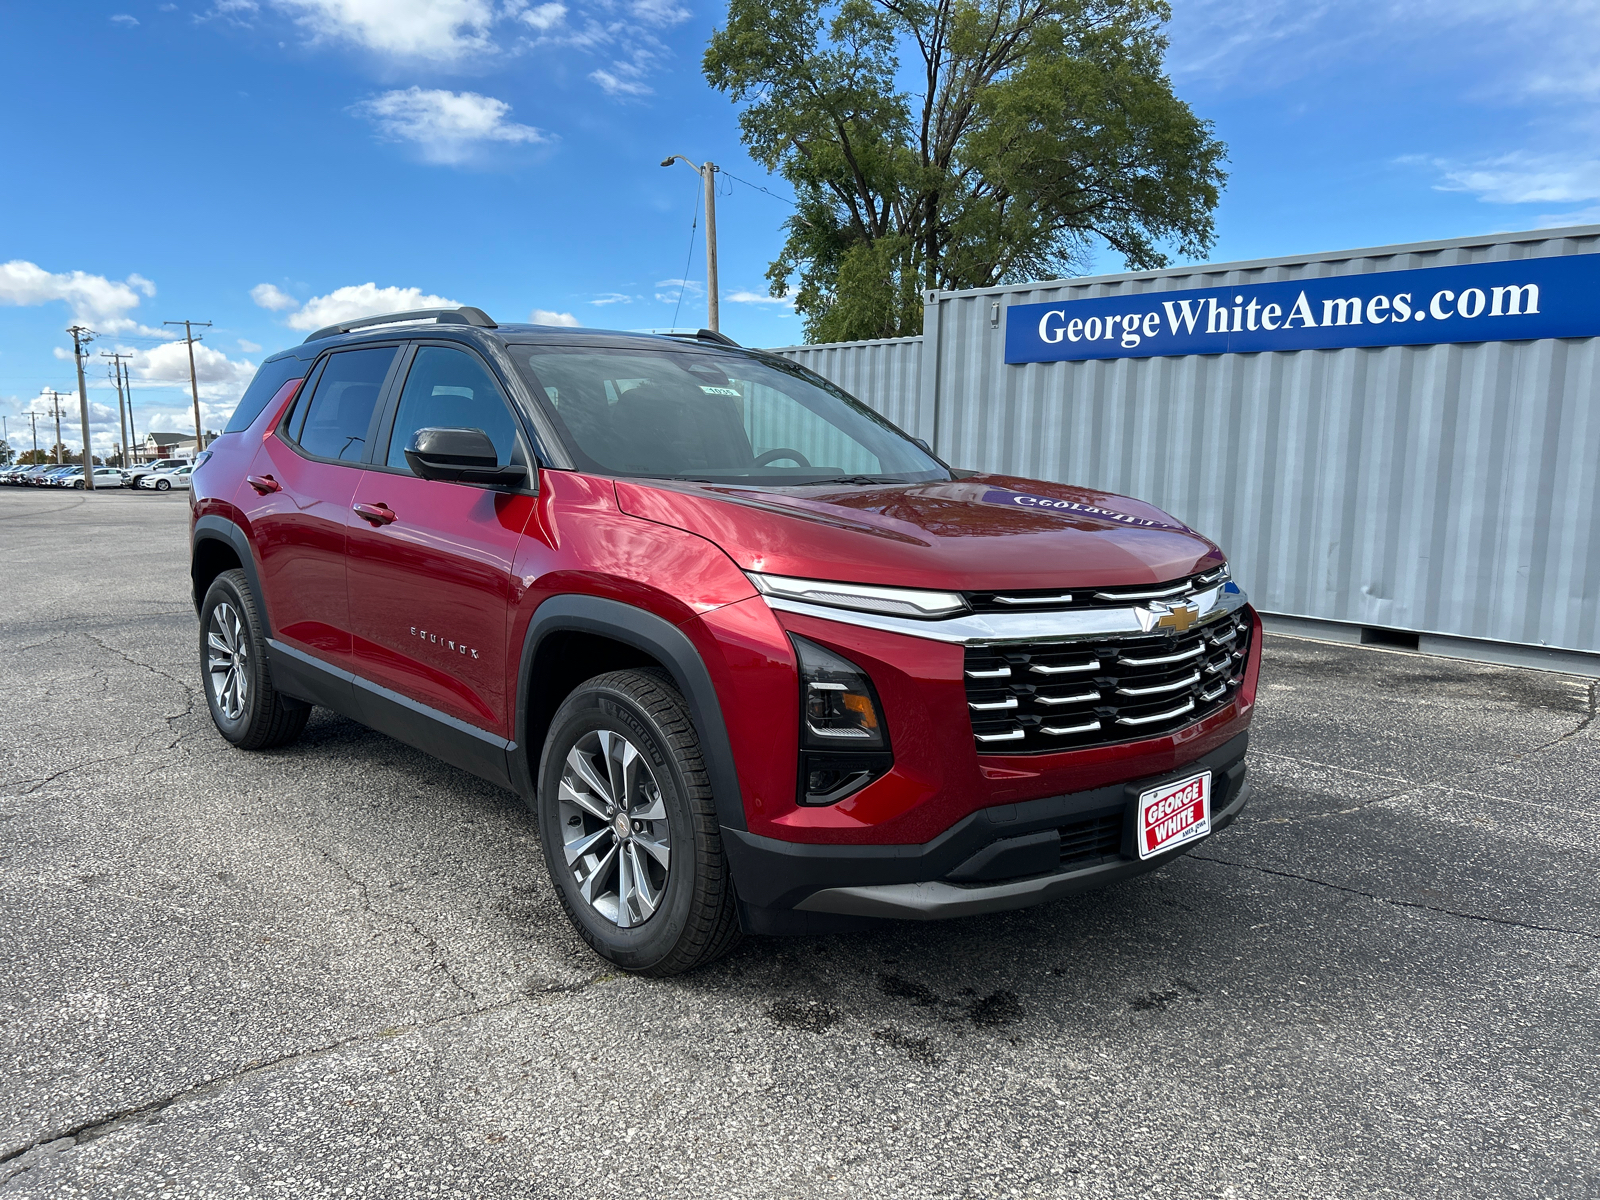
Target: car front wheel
<point>629,828</point>
<point>246,708</point>
<point>163,486</point>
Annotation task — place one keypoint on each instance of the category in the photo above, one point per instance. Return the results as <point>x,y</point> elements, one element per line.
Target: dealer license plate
<point>1174,814</point>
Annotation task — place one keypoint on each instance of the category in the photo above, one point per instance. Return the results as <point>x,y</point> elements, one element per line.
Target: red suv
<point>757,660</point>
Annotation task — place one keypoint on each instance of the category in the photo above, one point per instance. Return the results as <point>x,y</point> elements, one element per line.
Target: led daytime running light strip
<point>899,602</point>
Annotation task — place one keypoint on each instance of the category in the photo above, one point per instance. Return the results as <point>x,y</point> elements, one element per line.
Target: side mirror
<point>460,456</point>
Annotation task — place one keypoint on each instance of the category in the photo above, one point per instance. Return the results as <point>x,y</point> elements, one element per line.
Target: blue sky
<point>271,164</point>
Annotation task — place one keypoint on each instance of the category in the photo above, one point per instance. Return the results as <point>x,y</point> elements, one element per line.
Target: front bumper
<point>1005,857</point>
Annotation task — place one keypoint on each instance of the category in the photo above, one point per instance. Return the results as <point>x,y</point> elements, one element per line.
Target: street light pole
<point>708,175</point>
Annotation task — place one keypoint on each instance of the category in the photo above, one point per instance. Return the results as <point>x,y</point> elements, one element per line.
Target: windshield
<point>715,416</point>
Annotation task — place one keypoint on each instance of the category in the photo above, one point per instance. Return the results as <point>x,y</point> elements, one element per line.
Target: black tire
<point>252,714</point>
<point>694,920</point>
<point>163,485</point>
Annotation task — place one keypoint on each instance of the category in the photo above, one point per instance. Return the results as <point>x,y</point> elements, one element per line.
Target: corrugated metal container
<point>885,375</point>
<point>1448,489</point>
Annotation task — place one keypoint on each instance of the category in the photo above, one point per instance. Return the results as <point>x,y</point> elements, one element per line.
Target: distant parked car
<point>104,477</point>
<point>139,471</point>
<point>53,476</point>
<point>165,481</point>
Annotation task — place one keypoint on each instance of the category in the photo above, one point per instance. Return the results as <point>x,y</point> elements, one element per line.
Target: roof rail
<point>707,335</point>
<point>444,316</point>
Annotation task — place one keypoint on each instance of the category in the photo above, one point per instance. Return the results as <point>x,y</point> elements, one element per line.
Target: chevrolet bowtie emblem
<point>1179,617</point>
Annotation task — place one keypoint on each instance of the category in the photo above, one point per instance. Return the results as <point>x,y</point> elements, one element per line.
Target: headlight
<point>899,602</point>
<point>844,743</point>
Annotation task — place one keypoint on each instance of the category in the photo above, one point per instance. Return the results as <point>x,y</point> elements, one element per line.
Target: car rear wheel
<point>629,828</point>
<point>245,707</point>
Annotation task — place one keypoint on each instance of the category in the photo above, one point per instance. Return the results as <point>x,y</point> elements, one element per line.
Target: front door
<point>429,561</point>
<point>302,483</point>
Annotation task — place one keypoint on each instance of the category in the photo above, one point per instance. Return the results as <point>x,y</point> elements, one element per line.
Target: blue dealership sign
<point>1478,302</point>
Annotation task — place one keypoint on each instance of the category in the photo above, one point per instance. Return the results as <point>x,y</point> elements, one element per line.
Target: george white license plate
<point>1174,814</point>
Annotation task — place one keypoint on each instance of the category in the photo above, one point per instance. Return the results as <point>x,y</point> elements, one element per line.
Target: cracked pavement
<point>338,969</point>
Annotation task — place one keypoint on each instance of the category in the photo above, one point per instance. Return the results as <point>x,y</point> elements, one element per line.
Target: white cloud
<point>100,303</point>
<point>688,289</point>
<point>613,85</point>
<point>611,298</point>
<point>124,19</point>
<point>545,17</point>
<point>438,30</point>
<point>659,12</point>
<point>1517,48</point>
<point>363,300</point>
<point>743,297</point>
<point>447,126</point>
<point>1583,216</point>
<point>544,316</point>
<point>218,375</point>
<point>248,346</point>
<point>268,296</point>
<point>1522,178</point>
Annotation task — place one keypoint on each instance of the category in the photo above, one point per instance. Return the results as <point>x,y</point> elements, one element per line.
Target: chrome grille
<point>1072,600</point>
<point>1052,696</point>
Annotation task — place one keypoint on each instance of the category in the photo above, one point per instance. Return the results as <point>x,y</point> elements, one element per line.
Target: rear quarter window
<point>273,374</point>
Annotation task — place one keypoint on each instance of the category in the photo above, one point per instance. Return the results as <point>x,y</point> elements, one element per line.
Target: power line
<point>757,187</point>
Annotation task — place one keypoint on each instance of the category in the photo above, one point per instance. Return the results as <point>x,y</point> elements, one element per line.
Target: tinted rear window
<point>340,412</point>
<point>272,376</point>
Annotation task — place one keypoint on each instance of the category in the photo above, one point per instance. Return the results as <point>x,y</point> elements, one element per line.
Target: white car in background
<point>165,481</point>
<point>139,471</point>
<point>104,477</point>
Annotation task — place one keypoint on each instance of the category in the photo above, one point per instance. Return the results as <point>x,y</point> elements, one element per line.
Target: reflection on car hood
<point>984,532</point>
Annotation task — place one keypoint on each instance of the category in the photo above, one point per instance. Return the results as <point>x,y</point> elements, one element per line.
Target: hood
<point>974,534</point>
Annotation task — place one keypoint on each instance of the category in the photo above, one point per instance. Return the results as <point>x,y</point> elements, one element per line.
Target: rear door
<point>430,565</point>
<point>302,483</point>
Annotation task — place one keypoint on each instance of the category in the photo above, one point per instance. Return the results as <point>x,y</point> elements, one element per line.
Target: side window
<point>335,421</point>
<point>450,389</point>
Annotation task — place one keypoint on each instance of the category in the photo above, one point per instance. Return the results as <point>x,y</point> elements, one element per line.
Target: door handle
<point>263,483</point>
<point>378,514</point>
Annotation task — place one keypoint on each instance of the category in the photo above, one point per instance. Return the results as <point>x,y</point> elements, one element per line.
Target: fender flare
<point>213,528</point>
<point>663,641</point>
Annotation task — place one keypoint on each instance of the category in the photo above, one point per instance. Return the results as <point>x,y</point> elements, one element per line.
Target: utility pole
<point>133,429</point>
<point>122,416</point>
<point>33,419</point>
<point>708,175</point>
<point>194,386</point>
<point>55,407</point>
<point>81,337</point>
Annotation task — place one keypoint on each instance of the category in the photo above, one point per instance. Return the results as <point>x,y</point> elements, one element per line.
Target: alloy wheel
<point>228,660</point>
<point>614,828</point>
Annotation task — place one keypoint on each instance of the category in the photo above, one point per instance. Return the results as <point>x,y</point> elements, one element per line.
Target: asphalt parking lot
<point>338,969</point>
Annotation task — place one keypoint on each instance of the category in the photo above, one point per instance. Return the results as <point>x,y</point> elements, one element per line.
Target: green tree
<point>962,143</point>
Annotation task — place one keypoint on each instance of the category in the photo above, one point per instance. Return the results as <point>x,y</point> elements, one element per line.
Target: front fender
<point>661,640</point>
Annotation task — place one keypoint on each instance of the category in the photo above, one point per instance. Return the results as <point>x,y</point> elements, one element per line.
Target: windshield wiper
<point>862,480</point>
